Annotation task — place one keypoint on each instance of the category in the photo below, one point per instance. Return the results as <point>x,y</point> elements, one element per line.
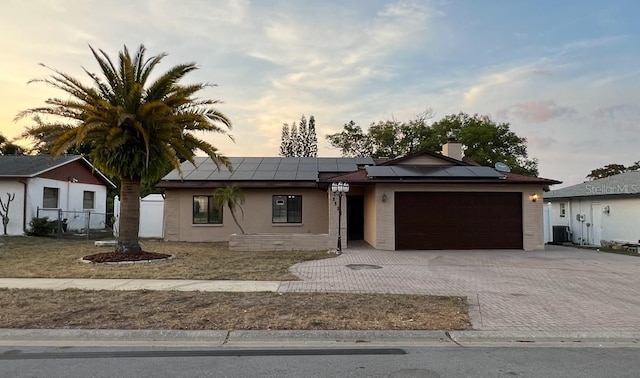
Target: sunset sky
<point>564,74</point>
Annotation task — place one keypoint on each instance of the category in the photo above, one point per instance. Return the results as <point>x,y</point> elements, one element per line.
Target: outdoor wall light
<point>534,197</point>
<point>606,209</point>
<point>384,197</point>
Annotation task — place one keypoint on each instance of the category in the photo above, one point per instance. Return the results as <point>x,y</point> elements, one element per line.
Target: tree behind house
<point>299,140</point>
<point>484,140</point>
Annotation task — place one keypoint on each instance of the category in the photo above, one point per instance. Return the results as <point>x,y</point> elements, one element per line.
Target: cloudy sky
<point>564,74</point>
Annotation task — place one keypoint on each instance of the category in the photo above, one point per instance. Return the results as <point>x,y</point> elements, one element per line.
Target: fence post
<point>59,228</point>
<point>88,223</point>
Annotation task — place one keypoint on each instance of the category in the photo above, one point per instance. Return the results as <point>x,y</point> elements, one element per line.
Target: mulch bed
<point>106,257</point>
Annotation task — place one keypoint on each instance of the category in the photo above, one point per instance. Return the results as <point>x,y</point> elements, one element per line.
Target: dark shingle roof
<point>31,165</point>
<point>623,184</point>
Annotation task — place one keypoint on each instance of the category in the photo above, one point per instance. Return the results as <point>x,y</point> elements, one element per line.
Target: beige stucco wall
<point>178,215</point>
<point>370,208</point>
<point>383,234</point>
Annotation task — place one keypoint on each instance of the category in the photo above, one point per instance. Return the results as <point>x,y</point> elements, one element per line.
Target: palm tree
<point>232,197</point>
<point>133,125</point>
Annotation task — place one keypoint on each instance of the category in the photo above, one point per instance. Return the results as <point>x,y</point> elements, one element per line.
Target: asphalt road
<point>450,361</point>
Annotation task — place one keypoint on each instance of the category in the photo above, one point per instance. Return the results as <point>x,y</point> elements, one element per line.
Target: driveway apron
<point>559,289</point>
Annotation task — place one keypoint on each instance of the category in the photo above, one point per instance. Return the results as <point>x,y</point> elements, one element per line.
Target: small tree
<point>285,141</point>
<point>312,138</point>
<point>4,210</point>
<point>233,198</point>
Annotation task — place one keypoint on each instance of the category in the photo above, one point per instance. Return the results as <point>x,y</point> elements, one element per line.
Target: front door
<point>596,224</point>
<point>355,217</point>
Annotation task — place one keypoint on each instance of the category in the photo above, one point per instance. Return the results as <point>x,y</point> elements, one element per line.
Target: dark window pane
<point>279,214</point>
<point>294,209</point>
<point>204,212</point>
<point>88,199</point>
<point>215,216</point>
<point>50,198</point>
<point>287,209</point>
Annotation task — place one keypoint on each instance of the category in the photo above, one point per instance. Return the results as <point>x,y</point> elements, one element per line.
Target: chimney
<point>452,149</point>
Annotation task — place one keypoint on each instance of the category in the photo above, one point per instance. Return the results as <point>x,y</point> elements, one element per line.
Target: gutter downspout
<point>24,204</point>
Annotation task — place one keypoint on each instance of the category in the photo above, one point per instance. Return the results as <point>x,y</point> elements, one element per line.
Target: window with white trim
<point>50,198</point>
<point>563,209</point>
<point>88,199</point>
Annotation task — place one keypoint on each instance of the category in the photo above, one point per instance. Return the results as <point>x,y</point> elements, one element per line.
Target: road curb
<point>325,338</point>
<point>543,337</point>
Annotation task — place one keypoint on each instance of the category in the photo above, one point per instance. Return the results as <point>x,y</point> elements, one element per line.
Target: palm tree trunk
<point>129,216</point>
<point>233,215</point>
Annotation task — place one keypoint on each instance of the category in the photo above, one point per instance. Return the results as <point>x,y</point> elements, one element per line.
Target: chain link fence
<point>78,224</point>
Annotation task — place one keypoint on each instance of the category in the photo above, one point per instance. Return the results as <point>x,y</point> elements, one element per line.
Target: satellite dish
<point>502,167</point>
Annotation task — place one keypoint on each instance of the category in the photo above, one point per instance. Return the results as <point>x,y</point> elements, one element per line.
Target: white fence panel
<point>151,216</point>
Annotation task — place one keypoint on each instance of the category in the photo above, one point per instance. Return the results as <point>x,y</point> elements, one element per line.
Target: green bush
<point>41,227</point>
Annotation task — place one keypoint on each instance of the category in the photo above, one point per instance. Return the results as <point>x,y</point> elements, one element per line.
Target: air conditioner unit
<point>561,234</point>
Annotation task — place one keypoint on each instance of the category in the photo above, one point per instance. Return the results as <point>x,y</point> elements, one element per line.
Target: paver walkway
<point>560,289</point>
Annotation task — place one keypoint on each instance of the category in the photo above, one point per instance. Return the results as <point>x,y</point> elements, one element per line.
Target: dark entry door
<point>458,220</point>
<point>355,217</point>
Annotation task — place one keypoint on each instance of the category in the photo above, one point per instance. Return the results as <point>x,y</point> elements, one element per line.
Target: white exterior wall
<point>151,216</point>
<point>16,207</point>
<point>621,223</point>
<point>69,199</point>
<point>70,196</point>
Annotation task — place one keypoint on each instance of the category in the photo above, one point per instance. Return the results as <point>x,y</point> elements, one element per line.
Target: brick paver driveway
<point>560,289</point>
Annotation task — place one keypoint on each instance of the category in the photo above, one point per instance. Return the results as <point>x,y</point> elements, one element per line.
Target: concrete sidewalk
<point>132,284</point>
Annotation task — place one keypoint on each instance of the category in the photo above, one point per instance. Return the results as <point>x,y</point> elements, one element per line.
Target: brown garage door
<point>458,220</point>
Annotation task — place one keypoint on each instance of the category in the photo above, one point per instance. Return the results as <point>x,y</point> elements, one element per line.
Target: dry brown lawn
<point>52,258</point>
<point>227,311</point>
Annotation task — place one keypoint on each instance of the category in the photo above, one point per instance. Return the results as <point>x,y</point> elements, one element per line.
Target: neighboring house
<point>68,187</point>
<point>603,209</point>
<point>422,201</point>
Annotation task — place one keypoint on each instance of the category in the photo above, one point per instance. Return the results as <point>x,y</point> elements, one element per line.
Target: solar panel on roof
<point>173,175</point>
<point>198,175</point>
<point>307,167</point>
<point>382,171</point>
<point>267,167</point>
<point>460,172</point>
<point>287,167</point>
<point>301,175</point>
<point>290,160</point>
<point>364,161</point>
<point>285,175</point>
<point>271,160</point>
<point>347,167</point>
<point>432,172</point>
<point>246,167</point>
<point>220,175</point>
<point>264,175</point>
<point>257,160</point>
<point>242,175</point>
<point>405,171</point>
<point>486,171</point>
